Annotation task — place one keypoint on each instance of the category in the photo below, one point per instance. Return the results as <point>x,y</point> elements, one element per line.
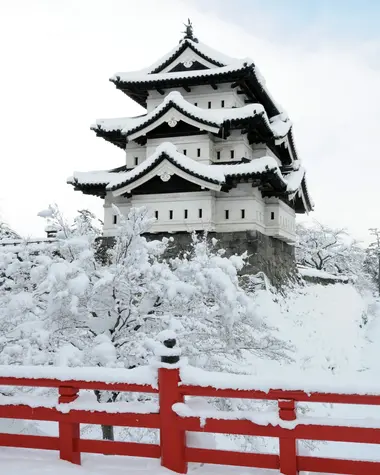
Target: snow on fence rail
<point>173,382</point>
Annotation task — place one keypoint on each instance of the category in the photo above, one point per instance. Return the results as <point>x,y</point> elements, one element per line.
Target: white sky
<point>56,58</point>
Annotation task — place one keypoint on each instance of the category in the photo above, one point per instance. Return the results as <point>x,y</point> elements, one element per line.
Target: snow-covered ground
<point>38,462</point>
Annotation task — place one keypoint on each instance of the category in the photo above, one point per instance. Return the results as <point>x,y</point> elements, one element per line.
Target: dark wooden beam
<point>239,91</point>
<point>249,101</point>
<point>160,91</point>
<point>214,86</point>
<point>187,88</point>
<point>234,84</point>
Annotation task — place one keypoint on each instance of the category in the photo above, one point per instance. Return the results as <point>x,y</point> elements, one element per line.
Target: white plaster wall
<point>191,144</point>
<point>201,96</point>
<point>280,220</point>
<point>133,151</point>
<point>261,150</point>
<point>163,204</point>
<point>213,205</point>
<point>237,143</point>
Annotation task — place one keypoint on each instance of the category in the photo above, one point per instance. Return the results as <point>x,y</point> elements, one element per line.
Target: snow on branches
<point>76,302</point>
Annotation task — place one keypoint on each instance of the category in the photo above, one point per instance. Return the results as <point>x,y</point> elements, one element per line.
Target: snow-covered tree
<point>328,249</point>
<point>82,310</point>
<point>6,232</point>
<point>372,258</point>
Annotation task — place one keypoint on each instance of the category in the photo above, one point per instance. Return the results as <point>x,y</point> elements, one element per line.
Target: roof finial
<point>189,32</point>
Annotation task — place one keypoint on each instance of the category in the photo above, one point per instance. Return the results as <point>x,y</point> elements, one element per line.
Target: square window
<point>272,215</point>
<point>156,214</point>
<point>242,213</point>
<point>186,214</point>
<point>200,212</point>
<point>227,214</point>
<point>184,151</point>
<point>198,152</point>
<point>209,104</point>
<point>218,155</point>
<point>195,103</point>
<point>232,153</point>
<point>171,214</point>
<point>115,219</point>
<point>222,104</point>
<point>136,161</point>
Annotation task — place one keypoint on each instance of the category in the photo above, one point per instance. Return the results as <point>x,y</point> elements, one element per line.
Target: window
<point>156,214</point>
<point>218,155</point>
<point>184,151</point>
<point>232,153</point>
<point>272,215</point>
<point>227,214</point>
<point>198,152</point>
<point>136,161</point>
<point>209,104</point>
<point>186,214</point>
<point>171,214</point>
<point>195,103</point>
<point>242,213</point>
<point>200,212</point>
<point>222,103</point>
<point>115,219</point>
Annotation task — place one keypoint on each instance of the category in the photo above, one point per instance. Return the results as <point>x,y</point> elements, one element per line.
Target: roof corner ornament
<point>189,31</point>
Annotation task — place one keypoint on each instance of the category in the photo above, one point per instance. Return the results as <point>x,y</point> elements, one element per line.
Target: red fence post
<point>69,432</point>
<point>172,437</point>
<point>288,445</point>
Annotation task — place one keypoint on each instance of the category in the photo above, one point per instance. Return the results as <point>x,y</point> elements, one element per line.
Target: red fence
<point>172,449</point>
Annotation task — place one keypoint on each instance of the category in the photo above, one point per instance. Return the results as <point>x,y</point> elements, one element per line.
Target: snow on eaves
<point>280,124</point>
<point>201,48</point>
<point>143,77</point>
<point>294,179</point>
<point>213,173</point>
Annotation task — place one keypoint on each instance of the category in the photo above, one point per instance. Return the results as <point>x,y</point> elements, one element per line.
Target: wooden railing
<point>172,448</point>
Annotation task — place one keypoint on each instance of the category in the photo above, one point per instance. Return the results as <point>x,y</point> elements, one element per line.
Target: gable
<point>191,56</point>
<point>176,184</point>
<point>188,60</point>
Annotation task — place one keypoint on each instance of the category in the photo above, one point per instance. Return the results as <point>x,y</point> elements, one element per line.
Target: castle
<point>212,152</point>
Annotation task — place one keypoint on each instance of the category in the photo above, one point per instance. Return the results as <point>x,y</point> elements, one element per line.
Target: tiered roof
<point>215,177</point>
<point>217,121</point>
<point>189,64</point>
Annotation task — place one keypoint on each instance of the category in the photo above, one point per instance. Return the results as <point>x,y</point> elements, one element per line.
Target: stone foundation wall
<point>273,257</point>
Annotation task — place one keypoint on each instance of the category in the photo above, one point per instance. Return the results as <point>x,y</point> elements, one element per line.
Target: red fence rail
<point>172,448</point>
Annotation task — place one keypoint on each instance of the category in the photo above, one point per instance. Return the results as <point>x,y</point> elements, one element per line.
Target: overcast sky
<point>321,60</point>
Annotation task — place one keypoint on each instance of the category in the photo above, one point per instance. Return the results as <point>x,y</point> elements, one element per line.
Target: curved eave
<point>255,125</point>
<point>163,156</point>
<point>162,112</point>
<point>307,198</point>
<point>268,176</point>
<point>138,90</point>
<point>98,189</point>
<point>115,136</point>
<point>245,77</point>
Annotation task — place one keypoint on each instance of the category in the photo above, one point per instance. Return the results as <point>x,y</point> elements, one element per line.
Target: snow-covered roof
<point>219,174</point>
<point>210,54</point>
<point>142,76</point>
<point>278,125</point>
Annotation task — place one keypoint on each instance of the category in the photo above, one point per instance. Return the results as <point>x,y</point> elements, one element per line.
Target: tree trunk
<point>378,274</point>
<point>107,432</point>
